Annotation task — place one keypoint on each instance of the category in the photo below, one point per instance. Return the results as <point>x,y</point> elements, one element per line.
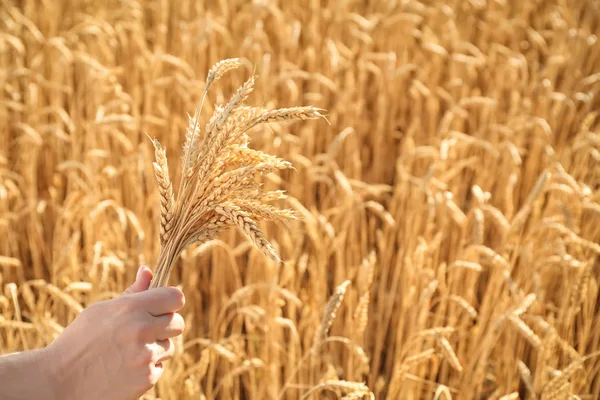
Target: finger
<point>156,372</point>
<point>142,281</point>
<point>159,301</point>
<point>167,326</point>
<point>164,350</point>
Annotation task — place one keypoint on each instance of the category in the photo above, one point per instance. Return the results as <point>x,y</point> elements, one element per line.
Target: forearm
<point>26,375</point>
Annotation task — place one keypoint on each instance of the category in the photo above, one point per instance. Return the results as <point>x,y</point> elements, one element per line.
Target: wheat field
<point>448,245</point>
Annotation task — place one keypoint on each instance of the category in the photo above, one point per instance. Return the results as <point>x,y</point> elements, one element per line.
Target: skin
<point>114,349</point>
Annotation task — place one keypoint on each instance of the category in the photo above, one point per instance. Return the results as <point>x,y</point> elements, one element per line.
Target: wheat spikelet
<point>242,154</point>
<point>191,151</point>
<point>293,113</point>
<point>238,124</point>
<point>498,217</point>
<point>369,264</point>
<point>441,330</point>
<point>581,286</point>
<point>525,304</point>
<point>329,313</point>
<point>473,266</point>
<point>525,330</point>
<point>558,386</point>
<point>457,214</point>
<point>10,262</point>
<point>520,218</point>
<point>464,304</point>
<point>495,258</point>
<point>339,386</point>
<point>448,353</point>
<point>161,171</point>
<point>442,393</point>
<point>255,116</point>
<point>478,227</point>
<point>213,227</point>
<point>572,236</point>
<point>361,314</point>
<point>417,358</point>
<point>251,229</point>
<point>233,182</point>
<point>191,148</point>
<point>510,396</point>
<point>266,197</point>
<point>357,395</point>
<point>263,211</point>
<point>11,291</point>
<point>224,352</point>
<point>526,377</point>
<point>219,69</point>
<point>216,137</point>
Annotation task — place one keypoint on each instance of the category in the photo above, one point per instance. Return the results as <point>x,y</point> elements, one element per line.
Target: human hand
<point>115,348</point>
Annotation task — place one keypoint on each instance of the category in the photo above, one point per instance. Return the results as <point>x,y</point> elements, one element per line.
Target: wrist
<point>54,372</point>
<point>26,375</point>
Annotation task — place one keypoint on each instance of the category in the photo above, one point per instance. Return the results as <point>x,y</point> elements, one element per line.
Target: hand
<point>115,349</point>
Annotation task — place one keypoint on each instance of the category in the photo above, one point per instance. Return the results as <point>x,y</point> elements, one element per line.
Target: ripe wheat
<point>218,186</point>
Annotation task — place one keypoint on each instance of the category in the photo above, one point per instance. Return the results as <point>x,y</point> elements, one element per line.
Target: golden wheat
<point>454,184</point>
<point>218,177</point>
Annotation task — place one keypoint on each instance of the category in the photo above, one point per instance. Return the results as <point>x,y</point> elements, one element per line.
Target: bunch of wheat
<point>218,186</point>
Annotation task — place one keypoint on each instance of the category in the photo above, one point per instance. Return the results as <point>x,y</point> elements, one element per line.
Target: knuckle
<point>98,311</point>
<point>126,303</point>
<point>146,357</point>
<point>140,330</point>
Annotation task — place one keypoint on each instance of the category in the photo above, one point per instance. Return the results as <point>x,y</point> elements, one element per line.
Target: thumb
<point>142,281</point>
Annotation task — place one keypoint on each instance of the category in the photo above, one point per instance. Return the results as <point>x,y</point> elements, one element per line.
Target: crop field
<point>447,193</point>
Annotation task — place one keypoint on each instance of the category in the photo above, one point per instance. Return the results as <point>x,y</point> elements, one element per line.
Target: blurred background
<point>455,184</point>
